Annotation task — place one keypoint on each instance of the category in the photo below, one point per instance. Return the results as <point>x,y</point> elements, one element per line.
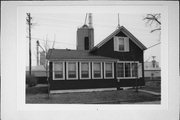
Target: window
<point>58,70</point>
<point>85,70</point>
<point>121,44</point>
<point>120,69</point>
<point>128,69</point>
<point>109,70</point>
<point>97,70</point>
<point>134,69</point>
<point>72,70</point>
<point>86,43</point>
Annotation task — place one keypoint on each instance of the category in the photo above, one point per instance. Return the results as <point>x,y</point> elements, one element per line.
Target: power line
<point>50,41</point>
<point>154,45</point>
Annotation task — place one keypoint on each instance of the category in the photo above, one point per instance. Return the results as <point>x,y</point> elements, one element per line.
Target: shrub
<point>31,80</point>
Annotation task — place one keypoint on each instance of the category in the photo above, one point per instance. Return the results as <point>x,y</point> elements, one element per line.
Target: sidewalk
<point>150,92</point>
<point>150,102</point>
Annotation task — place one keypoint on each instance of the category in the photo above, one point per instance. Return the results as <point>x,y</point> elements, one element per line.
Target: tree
<point>154,20</point>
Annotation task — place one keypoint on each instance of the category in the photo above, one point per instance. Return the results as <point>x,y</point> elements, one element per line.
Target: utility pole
<point>37,47</point>
<point>28,19</point>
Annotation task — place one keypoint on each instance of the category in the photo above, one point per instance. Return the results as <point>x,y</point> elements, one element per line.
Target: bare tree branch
<point>157,29</point>
<point>153,19</point>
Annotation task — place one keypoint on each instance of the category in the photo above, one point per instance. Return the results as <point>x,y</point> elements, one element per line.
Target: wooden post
<point>29,24</point>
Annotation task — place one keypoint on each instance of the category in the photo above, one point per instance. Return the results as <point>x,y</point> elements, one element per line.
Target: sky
<point>62,28</point>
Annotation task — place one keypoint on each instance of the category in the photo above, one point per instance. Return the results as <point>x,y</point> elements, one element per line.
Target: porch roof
<point>67,54</point>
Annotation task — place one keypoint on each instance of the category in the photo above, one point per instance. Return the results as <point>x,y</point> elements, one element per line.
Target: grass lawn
<point>39,95</point>
<point>154,89</point>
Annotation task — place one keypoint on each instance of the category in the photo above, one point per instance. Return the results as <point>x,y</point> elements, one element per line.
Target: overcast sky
<point>62,28</point>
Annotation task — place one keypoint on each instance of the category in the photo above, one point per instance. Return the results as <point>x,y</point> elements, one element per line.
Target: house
<point>117,61</point>
<point>152,71</point>
<point>39,72</point>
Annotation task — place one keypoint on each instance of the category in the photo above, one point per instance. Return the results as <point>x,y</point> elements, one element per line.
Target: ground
<point>129,96</point>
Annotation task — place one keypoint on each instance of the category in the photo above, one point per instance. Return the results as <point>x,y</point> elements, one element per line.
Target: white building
<point>152,70</point>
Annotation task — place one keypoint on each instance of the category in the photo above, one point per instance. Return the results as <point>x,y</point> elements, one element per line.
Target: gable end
<point>126,32</point>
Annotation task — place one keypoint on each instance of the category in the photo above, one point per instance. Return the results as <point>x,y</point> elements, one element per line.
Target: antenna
<point>54,41</point>
<point>118,21</point>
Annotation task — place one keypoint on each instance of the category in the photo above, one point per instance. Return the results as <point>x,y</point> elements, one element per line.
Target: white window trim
<point>93,71</point>
<point>80,72</point>
<point>105,70</point>
<point>130,69</point>
<point>63,71</point>
<point>76,70</point>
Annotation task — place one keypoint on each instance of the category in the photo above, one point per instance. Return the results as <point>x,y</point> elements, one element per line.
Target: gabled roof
<point>67,54</point>
<point>126,32</point>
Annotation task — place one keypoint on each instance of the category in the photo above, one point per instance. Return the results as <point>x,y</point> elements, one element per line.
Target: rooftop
<point>64,54</point>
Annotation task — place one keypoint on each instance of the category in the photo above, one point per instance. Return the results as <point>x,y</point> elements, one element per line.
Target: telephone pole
<point>37,48</point>
<point>28,19</point>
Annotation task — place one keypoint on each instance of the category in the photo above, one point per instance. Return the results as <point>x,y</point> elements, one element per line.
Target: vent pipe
<point>90,20</point>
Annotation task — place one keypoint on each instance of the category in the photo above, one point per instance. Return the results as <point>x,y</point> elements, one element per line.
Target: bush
<point>31,80</point>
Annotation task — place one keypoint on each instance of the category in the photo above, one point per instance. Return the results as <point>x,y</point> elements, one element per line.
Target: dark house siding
<point>107,50</point>
<point>82,84</point>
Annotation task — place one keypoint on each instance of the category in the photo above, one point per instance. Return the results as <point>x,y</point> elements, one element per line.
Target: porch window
<point>120,69</point>
<point>58,70</point>
<point>134,69</point>
<point>97,70</point>
<point>109,70</point>
<point>72,70</point>
<point>85,70</point>
<point>127,70</point>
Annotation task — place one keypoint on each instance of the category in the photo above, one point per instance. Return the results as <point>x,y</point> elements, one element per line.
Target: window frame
<point>129,71</point>
<point>80,72</point>
<point>136,69</point>
<point>112,63</point>
<point>137,62</point>
<point>93,70</point>
<point>67,63</point>
<point>63,63</point>
<point>119,44</point>
<point>125,41</point>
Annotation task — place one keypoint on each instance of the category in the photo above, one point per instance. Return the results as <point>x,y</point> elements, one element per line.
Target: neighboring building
<point>39,72</point>
<point>117,61</point>
<point>42,58</point>
<point>152,71</point>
